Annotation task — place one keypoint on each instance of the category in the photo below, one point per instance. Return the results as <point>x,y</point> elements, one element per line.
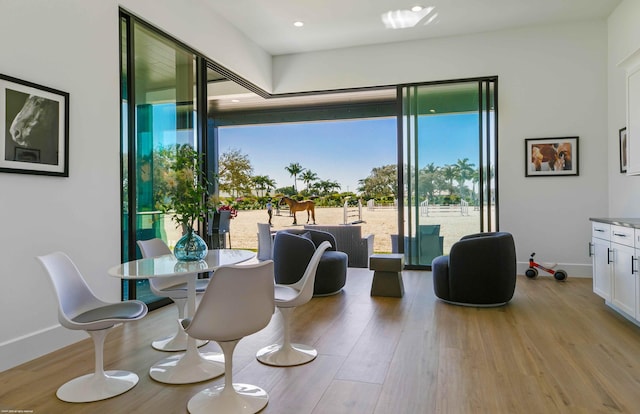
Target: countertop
<point>626,222</point>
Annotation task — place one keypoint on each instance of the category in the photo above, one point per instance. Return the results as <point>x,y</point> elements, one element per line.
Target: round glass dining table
<point>192,365</point>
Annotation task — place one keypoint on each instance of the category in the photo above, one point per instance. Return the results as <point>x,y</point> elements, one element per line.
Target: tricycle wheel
<point>560,275</point>
<point>531,273</point>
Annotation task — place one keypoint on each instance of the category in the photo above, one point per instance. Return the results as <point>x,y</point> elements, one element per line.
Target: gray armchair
<point>349,239</point>
<point>292,250</point>
<point>479,271</point>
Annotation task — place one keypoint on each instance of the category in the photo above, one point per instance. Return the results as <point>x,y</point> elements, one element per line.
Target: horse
<point>556,156</point>
<point>36,127</point>
<point>294,206</point>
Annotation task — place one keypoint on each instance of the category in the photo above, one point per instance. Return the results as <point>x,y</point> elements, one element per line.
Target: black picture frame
<point>34,123</point>
<point>551,157</point>
<point>622,138</point>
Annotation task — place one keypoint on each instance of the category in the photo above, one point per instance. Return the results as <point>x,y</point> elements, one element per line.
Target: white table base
<point>188,368</point>
<point>175,343</point>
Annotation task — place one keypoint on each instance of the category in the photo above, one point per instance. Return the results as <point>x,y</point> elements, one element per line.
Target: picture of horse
<point>34,128</point>
<point>32,123</point>
<point>551,156</point>
<point>295,206</point>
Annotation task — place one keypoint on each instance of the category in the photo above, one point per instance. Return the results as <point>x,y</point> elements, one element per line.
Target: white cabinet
<point>614,251</point>
<point>636,272</point>
<point>601,258</point>
<point>624,292</point>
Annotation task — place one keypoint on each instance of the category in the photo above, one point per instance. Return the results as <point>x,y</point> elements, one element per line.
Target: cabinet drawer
<point>623,235</point>
<point>601,230</point>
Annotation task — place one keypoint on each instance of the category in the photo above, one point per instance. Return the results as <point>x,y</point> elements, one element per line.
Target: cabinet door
<point>633,122</point>
<point>624,281</point>
<point>601,268</point>
<point>636,273</point>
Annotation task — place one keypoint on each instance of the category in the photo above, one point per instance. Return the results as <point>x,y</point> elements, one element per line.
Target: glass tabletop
<point>167,265</point>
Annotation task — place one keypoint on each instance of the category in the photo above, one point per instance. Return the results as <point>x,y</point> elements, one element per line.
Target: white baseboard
<point>572,269</point>
<point>37,344</point>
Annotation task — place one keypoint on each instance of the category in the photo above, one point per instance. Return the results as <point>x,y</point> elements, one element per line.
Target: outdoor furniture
<point>479,271</point>
<point>218,228</point>
<point>292,250</point>
<point>426,247</point>
<point>287,298</point>
<point>80,309</point>
<point>238,302</point>
<point>387,275</point>
<point>349,239</point>
<point>265,242</point>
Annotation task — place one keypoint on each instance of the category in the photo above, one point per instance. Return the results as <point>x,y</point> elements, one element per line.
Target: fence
<point>427,209</point>
<point>351,213</point>
<point>372,205</point>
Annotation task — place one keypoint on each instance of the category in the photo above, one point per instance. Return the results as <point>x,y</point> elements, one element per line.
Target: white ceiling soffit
<point>331,24</point>
<point>227,96</point>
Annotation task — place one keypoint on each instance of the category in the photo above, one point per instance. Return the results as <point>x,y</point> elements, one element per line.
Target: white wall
<point>624,39</point>
<point>80,214</point>
<point>73,46</point>
<point>552,83</point>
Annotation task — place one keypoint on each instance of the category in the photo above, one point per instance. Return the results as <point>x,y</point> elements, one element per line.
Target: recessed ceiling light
<point>298,24</point>
<point>235,100</point>
<point>404,19</point>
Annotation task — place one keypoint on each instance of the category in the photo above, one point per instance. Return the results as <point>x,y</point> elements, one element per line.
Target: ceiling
<point>331,24</point>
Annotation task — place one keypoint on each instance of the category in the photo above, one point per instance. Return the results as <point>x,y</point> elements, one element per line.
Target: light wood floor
<point>556,348</point>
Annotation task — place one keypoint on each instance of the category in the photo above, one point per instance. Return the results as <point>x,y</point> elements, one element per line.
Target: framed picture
<point>34,123</point>
<point>551,156</point>
<point>623,149</point>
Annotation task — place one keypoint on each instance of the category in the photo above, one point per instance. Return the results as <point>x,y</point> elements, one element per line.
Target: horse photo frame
<point>551,156</point>
<point>34,122</point>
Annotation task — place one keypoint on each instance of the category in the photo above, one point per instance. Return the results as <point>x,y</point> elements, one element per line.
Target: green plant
<point>186,196</point>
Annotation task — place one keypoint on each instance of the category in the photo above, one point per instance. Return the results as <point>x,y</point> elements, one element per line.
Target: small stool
<point>387,275</point>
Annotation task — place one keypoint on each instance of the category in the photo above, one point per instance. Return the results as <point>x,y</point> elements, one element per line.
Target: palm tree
<point>465,172</point>
<point>429,181</point>
<point>327,186</point>
<point>262,183</point>
<point>449,173</point>
<point>294,169</point>
<point>307,177</point>
<point>270,184</point>
<point>475,179</point>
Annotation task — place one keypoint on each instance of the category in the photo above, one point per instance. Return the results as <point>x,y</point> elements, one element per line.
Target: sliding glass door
<point>449,166</point>
<point>159,111</point>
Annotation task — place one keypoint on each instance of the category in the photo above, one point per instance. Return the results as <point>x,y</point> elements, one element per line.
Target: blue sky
<point>347,151</point>
<point>343,151</point>
<point>447,138</point>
